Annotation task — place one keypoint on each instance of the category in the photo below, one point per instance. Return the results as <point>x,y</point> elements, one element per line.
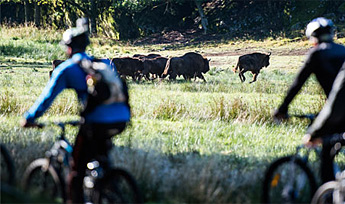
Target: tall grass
<point>188,142</point>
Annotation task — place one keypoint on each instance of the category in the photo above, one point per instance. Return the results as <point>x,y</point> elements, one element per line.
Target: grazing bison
<point>252,62</point>
<point>189,65</point>
<point>55,63</point>
<point>154,66</point>
<point>128,66</point>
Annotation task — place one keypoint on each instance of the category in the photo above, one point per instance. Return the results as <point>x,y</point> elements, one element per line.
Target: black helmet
<point>77,37</point>
<point>320,28</point>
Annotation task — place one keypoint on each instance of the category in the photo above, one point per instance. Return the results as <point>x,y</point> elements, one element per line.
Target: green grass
<point>189,142</point>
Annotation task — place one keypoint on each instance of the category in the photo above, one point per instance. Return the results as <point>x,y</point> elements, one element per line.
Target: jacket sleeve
<point>55,85</point>
<point>331,119</point>
<point>304,73</point>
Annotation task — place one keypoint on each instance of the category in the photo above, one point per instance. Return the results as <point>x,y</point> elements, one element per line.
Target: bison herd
<point>152,66</point>
<point>190,65</point>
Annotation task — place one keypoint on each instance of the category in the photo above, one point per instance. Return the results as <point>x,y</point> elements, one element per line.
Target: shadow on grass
<point>187,177</point>
<point>191,177</point>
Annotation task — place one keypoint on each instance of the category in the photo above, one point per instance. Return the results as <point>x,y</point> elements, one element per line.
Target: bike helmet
<point>320,28</point>
<point>77,37</point>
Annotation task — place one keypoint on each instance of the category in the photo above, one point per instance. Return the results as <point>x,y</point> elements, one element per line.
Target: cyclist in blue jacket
<point>100,124</point>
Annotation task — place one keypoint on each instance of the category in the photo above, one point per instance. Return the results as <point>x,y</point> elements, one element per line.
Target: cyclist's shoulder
<point>329,47</point>
<point>326,50</point>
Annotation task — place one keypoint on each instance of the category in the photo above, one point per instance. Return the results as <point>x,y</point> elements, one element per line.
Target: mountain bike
<point>290,179</point>
<point>46,177</point>
<point>332,189</point>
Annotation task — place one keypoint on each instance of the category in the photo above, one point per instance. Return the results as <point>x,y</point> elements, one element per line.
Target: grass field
<point>191,142</point>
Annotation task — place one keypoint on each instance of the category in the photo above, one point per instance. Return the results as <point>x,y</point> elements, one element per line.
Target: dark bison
<point>153,66</point>
<point>55,63</point>
<point>252,62</point>
<point>189,65</point>
<point>149,56</point>
<point>128,66</point>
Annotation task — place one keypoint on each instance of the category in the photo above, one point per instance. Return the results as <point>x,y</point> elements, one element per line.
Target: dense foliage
<point>129,19</point>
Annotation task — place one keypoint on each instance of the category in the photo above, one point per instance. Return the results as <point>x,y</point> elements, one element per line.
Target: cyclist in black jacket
<point>330,121</point>
<point>324,60</point>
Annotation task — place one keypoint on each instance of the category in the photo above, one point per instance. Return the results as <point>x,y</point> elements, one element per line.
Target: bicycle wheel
<point>117,186</point>
<point>288,180</point>
<point>42,182</point>
<point>324,193</point>
<point>7,167</point>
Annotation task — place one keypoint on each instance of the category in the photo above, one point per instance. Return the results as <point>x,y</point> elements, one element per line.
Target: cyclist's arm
<point>332,117</point>
<point>55,85</point>
<point>300,79</point>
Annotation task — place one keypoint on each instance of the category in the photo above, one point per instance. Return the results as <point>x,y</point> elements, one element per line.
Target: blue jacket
<point>69,75</point>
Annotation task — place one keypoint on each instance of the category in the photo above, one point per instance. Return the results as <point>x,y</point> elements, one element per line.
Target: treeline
<point>130,19</point>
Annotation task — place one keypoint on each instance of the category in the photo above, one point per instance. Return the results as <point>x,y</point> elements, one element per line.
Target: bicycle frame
<point>60,154</point>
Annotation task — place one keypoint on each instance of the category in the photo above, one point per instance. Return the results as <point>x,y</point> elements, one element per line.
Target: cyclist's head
<point>77,39</point>
<point>320,30</point>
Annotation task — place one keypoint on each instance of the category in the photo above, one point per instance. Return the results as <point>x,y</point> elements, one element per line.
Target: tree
<point>204,21</point>
<point>37,13</point>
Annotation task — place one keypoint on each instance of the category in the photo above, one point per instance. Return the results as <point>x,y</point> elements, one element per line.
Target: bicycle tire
<point>298,192</point>
<point>324,193</point>
<point>117,186</point>
<point>8,175</point>
<point>42,181</point>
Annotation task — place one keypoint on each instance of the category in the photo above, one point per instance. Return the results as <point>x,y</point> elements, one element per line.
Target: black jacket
<point>331,119</point>
<point>324,61</point>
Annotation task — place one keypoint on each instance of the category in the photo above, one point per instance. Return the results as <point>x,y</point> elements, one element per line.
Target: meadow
<point>190,142</point>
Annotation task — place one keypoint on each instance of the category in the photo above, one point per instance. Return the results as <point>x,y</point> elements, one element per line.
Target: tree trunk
<point>26,11</point>
<point>204,21</point>
<point>93,17</point>
<point>37,14</point>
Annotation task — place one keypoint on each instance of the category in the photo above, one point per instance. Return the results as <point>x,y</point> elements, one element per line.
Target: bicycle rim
<point>324,193</point>
<point>288,180</point>
<point>42,182</point>
<point>118,186</point>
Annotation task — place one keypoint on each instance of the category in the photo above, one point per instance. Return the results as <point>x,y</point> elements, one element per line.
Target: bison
<point>55,63</point>
<point>128,66</point>
<point>252,62</point>
<point>189,65</point>
<point>154,66</point>
<point>149,56</point>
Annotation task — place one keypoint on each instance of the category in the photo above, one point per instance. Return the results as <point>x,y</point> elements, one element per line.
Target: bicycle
<point>289,179</point>
<point>102,184</point>
<point>332,189</point>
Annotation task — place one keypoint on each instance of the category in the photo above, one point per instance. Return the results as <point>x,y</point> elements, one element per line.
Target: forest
<point>132,19</point>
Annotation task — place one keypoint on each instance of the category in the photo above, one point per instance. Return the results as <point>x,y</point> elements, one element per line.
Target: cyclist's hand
<point>311,142</point>
<point>279,116</point>
<point>25,123</point>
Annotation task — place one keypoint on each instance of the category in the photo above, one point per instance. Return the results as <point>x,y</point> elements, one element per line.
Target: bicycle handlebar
<point>59,124</point>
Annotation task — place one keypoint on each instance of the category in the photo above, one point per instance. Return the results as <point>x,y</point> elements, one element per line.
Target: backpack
<point>104,86</point>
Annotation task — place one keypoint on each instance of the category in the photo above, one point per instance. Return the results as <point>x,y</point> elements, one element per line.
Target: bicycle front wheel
<point>288,180</point>
<point>324,193</point>
<point>117,186</point>
<point>42,182</point>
